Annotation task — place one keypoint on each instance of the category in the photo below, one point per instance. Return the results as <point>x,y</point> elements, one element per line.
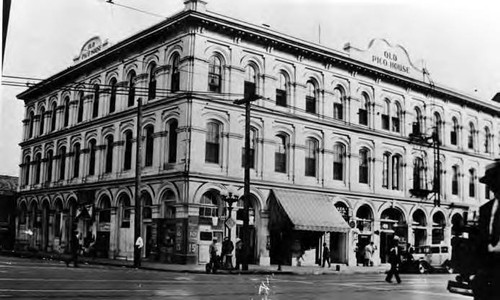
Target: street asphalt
<point>22,278</point>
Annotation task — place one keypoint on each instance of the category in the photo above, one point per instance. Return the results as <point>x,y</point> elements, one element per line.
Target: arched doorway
<point>457,224</point>
<point>210,225</point>
<point>103,227</point>
<point>253,220</point>
<point>45,221</point>
<point>438,225</point>
<point>364,224</point>
<point>22,224</point>
<point>166,227</point>
<point>392,223</point>
<point>125,234</point>
<point>147,223</point>
<point>338,240</point>
<point>419,226</point>
<point>33,225</point>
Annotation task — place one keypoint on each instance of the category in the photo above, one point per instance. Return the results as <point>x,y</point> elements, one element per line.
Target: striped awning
<point>310,211</point>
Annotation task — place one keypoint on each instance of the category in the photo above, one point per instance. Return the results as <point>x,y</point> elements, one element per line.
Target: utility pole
<point>137,196</point>
<point>246,181</point>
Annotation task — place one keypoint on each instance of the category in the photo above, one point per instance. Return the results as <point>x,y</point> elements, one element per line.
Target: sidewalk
<point>200,268</point>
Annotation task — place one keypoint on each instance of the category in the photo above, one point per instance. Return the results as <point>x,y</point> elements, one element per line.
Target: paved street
<point>37,279</point>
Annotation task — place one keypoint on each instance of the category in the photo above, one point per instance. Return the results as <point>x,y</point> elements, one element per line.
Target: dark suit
<point>395,261</point>
<point>486,284</point>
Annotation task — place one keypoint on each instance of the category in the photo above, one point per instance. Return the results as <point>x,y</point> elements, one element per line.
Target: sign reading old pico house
<point>382,54</point>
<point>91,48</point>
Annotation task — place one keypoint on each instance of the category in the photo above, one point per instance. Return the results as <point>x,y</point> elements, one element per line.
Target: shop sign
<point>381,53</point>
<point>91,48</point>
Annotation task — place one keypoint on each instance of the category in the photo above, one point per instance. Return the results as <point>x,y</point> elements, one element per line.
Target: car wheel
<point>421,268</point>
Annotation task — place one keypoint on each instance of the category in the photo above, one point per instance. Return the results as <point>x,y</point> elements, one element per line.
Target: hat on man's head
<point>491,173</point>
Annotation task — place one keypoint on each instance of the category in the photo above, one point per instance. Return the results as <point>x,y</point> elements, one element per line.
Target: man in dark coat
<point>326,256</point>
<point>486,282</point>
<point>395,261</point>
<point>75,247</point>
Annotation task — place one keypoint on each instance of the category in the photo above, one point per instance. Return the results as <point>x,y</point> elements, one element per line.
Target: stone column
<point>113,233</point>
<point>263,236</point>
<point>36,125</point>
<point>87,107</point>
<point>121,95</point>
<point>161,74</point>
<point>141,88</point>
<point>60,117</point>
<point>73,112</point>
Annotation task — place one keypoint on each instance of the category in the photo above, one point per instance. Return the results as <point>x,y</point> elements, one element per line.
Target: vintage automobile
<point>426,259</point>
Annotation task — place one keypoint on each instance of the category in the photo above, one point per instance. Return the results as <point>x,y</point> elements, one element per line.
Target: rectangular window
<point>385,122</point>
<point>214,82</point>
<point>252,158</point>
<point>385,172</point>
<point>208,211</point>
<point>280,97</point>
<point>453,138</point>
<point>310,104</point>
<point>338,111</point>
<point>280,162</point>
<point>395,124</point>
<point>212,152</point>
<point>472,190</point>
<point>363,116</point>
<point>338,170</point>
<point>454,187</point>
<point>310,166</point>
<point>416,128</point>
<point>363,174</point>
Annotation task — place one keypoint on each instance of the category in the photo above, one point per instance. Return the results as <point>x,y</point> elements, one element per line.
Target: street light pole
<point>137,198</point>
<point>246,181</point>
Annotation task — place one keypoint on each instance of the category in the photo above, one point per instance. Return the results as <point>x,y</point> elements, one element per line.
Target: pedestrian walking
<point>227,253</point>
<point>326,256</point>
<point>395,261</point>
<point>75,248</point>
<point>486,281</point>
<point>369,251</point>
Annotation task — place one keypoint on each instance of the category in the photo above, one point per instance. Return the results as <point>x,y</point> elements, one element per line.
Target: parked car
<point>425,259</point>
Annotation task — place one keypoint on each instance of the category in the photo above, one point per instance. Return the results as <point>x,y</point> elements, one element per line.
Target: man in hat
<point>486,282</point>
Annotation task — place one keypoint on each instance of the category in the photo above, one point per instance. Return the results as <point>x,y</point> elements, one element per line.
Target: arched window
<point>454,180</point>
<point>66,111</point>
<point>396,117</point>
<point>50,159</point>
<point>38,167</point>
<point>253,143</point>
<point>419,180</point>
<point>147,204</point>
<point>124,211</point>
<point>385,115</point>
<point>212,143</point>
<point>168,201</point>
<point>42,121</point>
<point>92,157</point>
<point>250,84</point>
<point>454,131</point>
<point>62,163</point>
<point>95,108</point>
<point>172,141</point>
<point>364,166</point>
<point>214,74</point>
<point>149,147</point>
<point>209,205</point>
<point>80,106</point>
<point>112,96</point>
<point>127,157</point>
<point>27,166</point>
<point>31,124</point>
<point>487,137</point>
<point>105,210</point>
<point>396,172</point>
<point>338,104</point>
<point>311,157</point>
<point>472,183</point>
<point>437,126</point>
<point>385,169</point>
<point>282,90</point>
<point>470,139</point>
<point>175,78</point>
<point>109,154</point>
<point>311,97</point>
<point>417,122</point>
<point>76,160</point>
<point>363,109</point>
<point>152,81</point>
<point>131,88</point>
<point>280,153</point>
<point>53,117</point>
<point>339,154</point>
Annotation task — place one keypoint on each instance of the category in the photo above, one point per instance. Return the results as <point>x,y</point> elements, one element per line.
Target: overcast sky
<point>459,41</point>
